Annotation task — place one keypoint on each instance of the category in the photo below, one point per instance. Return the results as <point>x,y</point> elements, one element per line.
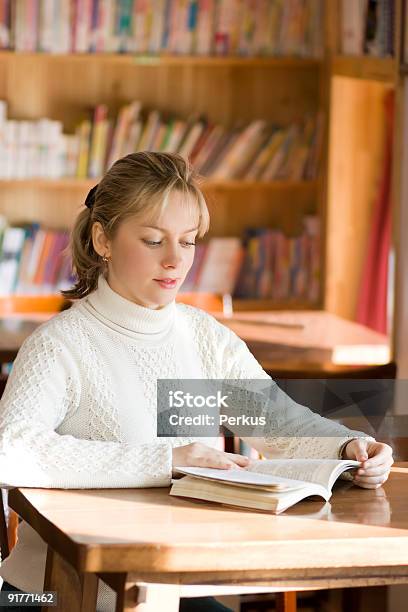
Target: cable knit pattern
<point>103,416</point>
<point>158,362</point>
<point>79,409</point>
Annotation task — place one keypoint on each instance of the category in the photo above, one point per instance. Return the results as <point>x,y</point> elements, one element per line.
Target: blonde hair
<point>136,184</point>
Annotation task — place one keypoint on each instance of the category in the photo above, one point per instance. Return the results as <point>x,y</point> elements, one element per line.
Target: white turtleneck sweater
<point>79,409</point>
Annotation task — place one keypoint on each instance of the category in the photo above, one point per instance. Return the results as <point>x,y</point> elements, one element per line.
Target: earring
<point>105,259</point>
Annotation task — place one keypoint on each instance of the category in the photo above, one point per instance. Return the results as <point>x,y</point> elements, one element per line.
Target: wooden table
<point>159,543</point>
<point>299,344</point>
<point>286,343</point>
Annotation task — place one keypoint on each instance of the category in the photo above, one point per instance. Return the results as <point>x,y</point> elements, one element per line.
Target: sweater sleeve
<point>297,430</point>
<point>43,384</point>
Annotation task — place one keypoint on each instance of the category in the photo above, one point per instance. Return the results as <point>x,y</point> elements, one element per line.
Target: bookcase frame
<point>401,50</point>
<point>356,139</point>
<point>225,89</point>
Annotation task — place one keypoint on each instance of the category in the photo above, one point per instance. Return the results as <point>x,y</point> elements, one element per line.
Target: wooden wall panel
<point>356,157</point>
<point>62,87</point>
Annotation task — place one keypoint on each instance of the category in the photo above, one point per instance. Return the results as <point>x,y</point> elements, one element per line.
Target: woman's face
<point>149,260</point>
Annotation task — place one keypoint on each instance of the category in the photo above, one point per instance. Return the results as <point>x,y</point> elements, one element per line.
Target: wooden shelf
<point>172,60</point>
<point>44,183</point>
<point>239,185</point>
<point>364,67</point>
<point>87,183</point>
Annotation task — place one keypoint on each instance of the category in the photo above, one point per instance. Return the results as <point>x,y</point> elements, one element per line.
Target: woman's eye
<point>157,243</point>
<point>152,242</point>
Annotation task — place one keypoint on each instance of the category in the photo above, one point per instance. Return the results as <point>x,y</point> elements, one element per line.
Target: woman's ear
<point>100,242</point>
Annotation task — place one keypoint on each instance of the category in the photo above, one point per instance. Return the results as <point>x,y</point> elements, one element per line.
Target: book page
<point>241,476</point>
<point>319,471</point>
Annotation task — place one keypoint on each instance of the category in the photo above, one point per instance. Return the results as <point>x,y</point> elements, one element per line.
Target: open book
<point>270,484</point>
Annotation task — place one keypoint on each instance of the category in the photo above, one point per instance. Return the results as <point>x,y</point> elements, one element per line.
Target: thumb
<point>361,450</point>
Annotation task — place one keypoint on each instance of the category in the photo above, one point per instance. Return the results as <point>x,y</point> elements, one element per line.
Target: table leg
<point>74,591</point>
<point>12,529</point>
<point>148,598</point>
<point>286,602</point>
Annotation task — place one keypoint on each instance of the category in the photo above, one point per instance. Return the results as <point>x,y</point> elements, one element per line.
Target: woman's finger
<point>216,461</point>
<point>239,459</point>
<point>376,470</point>
<point>371,479</point>
<point>382,452</point>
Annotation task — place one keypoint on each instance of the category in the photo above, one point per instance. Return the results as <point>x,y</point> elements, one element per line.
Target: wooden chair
<point>10,305</point>
<point>8,532</point>
<point>4,544</point>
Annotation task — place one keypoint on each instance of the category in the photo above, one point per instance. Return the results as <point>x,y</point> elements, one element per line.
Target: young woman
<point>79,410</point>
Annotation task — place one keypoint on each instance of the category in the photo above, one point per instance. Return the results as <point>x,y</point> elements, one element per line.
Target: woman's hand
<point>376,459</point>
<point>201,455</point>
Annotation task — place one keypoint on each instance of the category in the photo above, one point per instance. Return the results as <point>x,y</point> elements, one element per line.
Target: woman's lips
<point>167,284</point>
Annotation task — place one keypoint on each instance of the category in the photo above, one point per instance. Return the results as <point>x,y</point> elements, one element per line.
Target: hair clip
<point>90,198</point>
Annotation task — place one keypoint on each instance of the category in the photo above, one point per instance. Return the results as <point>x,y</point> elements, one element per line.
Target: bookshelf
<point>63,87</point>
<point>348,90</point>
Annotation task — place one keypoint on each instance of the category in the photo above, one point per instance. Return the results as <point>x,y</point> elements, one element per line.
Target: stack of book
<point>215,267</point>
<point>188,27</point>
<point>367,27</point>
<point>279,267</point>
<point>257,151</point>
<point>33,260</point>
<point>266,264</point>
<point>32,148</point>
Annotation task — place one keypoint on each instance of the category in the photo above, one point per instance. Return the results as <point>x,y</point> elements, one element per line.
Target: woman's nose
<point>172,258</point>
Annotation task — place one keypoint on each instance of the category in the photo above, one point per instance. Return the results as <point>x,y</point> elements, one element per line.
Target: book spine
<point>4,24</point>
<point>84,144</point>
<point>124,24</point>
<point>46,30</point>
<point>139,26</point>
<point>156,33</point>
<point>204,33</point>
<point>97,147</point>
<point>11,250</point>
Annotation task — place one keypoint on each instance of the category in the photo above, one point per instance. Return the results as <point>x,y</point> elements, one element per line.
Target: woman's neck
<point>128,317</point>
